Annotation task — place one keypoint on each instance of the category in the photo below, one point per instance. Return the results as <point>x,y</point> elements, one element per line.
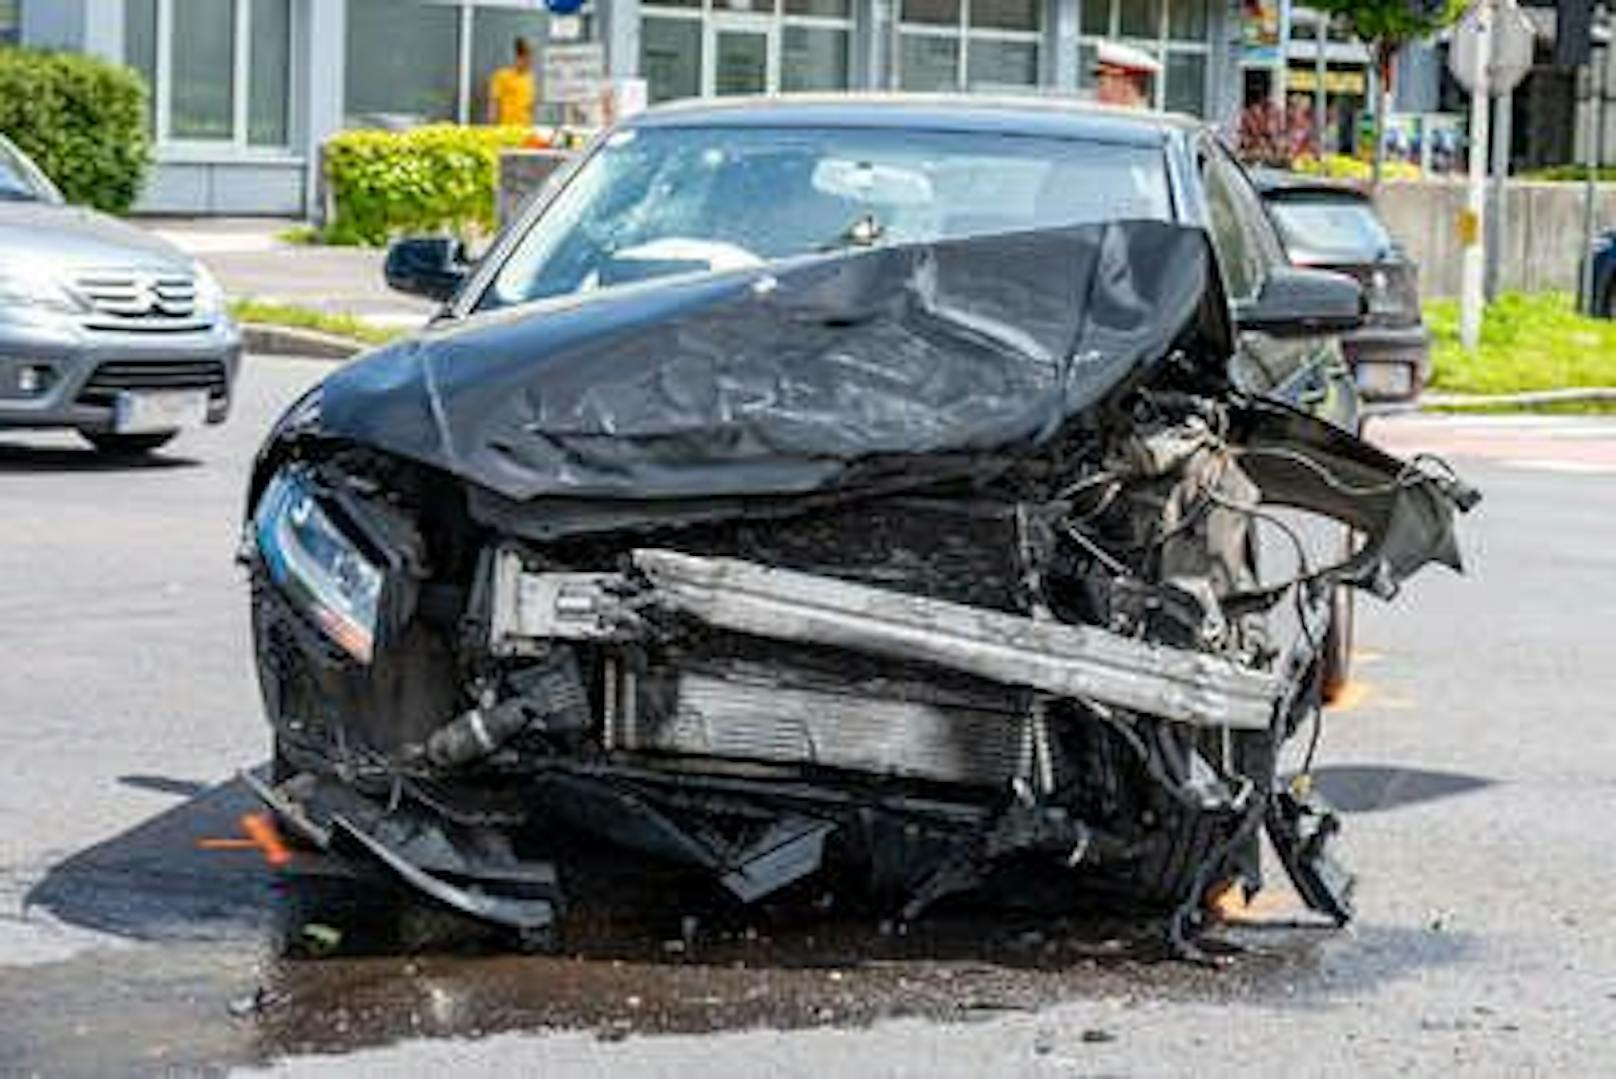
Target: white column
<point>1063,73</point>
<point>323,44</point>
<point>1473,269</point>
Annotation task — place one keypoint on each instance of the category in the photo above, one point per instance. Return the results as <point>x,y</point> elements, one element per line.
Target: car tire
<point>1337,656</point>
<point>114,445</point>
<point>1607,307</point>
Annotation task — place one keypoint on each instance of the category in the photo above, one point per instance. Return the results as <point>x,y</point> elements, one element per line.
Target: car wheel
<point>1338,645</point>
<point>127,445</point>
<point>1608,307</point>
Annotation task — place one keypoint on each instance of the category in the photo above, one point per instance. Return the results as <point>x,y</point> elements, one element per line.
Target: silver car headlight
<point>210,298</point>
<point>316,564</point>
<point>37,291</point>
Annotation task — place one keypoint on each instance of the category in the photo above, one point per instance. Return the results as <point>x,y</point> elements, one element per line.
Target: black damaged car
<point>907,494</point>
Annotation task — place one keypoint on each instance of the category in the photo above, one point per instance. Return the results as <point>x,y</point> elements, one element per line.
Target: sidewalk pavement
<point>252,262</point>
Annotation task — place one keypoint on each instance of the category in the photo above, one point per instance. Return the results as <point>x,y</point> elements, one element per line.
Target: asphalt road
<point>1476,758</point>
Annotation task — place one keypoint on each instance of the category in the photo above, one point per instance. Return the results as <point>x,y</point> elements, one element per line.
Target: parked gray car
<point>104,328</point>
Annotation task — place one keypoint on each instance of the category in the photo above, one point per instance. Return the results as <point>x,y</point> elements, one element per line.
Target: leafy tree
<point>1385,26</point>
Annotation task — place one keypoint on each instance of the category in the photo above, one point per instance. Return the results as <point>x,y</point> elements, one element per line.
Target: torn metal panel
<point>1083,662</point>
<point>529,608</point>
<point>788,850</point>
<point>421,850</point>
<point>1405,509</point>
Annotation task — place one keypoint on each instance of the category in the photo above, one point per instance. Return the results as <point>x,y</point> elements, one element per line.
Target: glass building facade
<point>245,91</point>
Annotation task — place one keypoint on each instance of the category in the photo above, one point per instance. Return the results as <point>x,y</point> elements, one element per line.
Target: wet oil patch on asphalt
<point>234,964</point>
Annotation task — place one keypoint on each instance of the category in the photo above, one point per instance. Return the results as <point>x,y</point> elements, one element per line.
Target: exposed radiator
<point>744,718</point>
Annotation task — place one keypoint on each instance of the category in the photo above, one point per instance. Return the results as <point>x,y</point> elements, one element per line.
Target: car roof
<point>1277,183</point>
<point>987,114</point>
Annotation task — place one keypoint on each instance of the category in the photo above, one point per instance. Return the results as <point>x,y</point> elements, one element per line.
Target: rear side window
<point>1331,228</point>
<point>1245,242</point>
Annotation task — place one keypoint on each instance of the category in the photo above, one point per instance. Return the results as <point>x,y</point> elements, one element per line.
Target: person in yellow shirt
<point>511,90</point>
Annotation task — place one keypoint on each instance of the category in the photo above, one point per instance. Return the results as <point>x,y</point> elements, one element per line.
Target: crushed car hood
<point>798,377</point>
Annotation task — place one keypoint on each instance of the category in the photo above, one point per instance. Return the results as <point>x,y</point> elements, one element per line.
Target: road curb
<point>271,340</point>
<point>1437,402</point>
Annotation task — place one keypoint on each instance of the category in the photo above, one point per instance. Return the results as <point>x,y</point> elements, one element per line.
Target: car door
<point>1309,373</point>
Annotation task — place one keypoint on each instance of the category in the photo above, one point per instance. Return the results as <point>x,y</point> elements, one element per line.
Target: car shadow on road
<point>157,882</point>
<point>1376,788</point>
<point>21,458</point>
<point>651,960</point>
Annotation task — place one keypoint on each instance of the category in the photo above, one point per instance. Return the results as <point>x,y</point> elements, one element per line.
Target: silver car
<point>104,328</point>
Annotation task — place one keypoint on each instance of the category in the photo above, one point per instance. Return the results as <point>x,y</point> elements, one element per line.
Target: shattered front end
<point>859,570</point>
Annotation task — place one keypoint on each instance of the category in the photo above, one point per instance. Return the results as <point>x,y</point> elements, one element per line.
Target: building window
<point>412,62</point>
<point>697,48</point>
<point>970,44</point>
<point>493,45</point>
<point>218,70</point>
<point>1173,31</point>
<point>403,63</point>
<point>10,21</point>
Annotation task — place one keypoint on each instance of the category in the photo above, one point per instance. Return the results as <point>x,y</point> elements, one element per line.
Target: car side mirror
<point>430,266</point>
<point>1296,302</point>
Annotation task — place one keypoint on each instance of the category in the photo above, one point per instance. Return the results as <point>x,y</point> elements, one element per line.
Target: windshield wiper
<point>865,231</point>
<point>14,195</point>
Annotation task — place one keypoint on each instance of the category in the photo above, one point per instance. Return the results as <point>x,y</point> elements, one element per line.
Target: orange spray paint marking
<point>260,828</point>
<point>1352,695</point>
<point>262,836</point>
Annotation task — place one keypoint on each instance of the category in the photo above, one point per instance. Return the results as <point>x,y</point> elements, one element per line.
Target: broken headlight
<point>311,559</point>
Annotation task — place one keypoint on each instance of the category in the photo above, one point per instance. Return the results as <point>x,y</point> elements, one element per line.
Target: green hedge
<point>81,119</point>
<point>1572,173</point>
<point>430,179</point>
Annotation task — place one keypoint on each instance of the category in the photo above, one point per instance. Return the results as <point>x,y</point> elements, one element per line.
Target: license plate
<point>152,412</point>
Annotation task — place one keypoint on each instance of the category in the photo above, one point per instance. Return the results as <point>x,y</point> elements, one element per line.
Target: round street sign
<point>1513,39</point>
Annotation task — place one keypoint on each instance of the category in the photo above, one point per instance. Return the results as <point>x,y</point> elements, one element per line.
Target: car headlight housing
<point>210,298</point>
<point>36,292</point>
<point>317,565</point>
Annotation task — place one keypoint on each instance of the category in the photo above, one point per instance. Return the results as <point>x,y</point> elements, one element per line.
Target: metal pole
<point>1498,216</point>
<point>1591,148</point>
<point>1472,230</point>
<point>1321,108</point>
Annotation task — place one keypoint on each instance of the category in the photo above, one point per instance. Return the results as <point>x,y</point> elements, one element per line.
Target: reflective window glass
<point>670,57</point>
<point>993,63</point>
<point>1186,20</point>
<point>493,45</point>
<point>269,72</point>
<point>813,58</point>
<point>928,64</point>
<point>1140,18</point>
<point>936,12</point>
<point>835,9</point>
<point>140,48</point>
<point>202,100</point>
<point>1186,82</point>
<point>403,60</point>
<point>1096,18</point>
<point>1007,14</point>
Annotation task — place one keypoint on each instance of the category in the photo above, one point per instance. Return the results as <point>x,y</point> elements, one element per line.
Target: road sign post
<point>1472,228</point>
<point>1491,54</point>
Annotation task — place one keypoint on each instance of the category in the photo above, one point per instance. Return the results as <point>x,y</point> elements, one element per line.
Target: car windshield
<point>663,201</point>
<point>18,180</point>
<point>1327,228</point>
